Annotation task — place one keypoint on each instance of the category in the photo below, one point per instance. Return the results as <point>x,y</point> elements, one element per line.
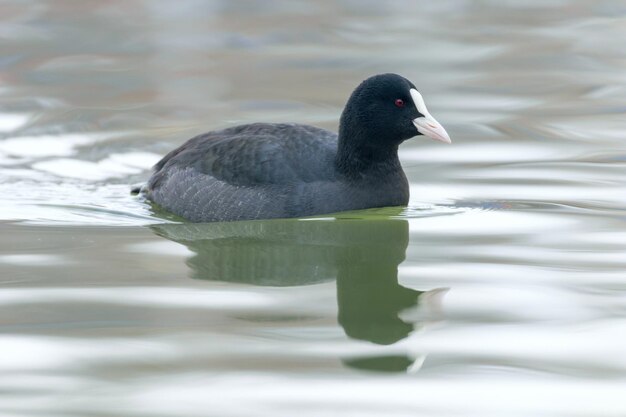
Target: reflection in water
<point>362,255</point>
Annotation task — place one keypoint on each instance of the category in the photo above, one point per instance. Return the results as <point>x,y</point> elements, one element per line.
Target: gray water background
<point>500,290</point>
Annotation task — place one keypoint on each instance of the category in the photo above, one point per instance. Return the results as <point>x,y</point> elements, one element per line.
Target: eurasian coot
<point>263,170</point>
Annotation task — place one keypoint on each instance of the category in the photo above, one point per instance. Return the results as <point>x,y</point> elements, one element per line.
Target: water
<point>500,290</point>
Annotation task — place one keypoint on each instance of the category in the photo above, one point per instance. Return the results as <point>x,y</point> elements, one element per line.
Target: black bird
<point>263,170</point>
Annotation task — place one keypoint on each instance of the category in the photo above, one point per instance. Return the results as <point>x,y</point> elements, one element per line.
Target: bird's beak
<point>427,125</point>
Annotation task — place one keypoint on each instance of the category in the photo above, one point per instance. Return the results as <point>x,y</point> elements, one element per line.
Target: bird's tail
<point>135,189</point>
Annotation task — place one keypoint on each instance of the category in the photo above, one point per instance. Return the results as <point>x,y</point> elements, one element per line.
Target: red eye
<point>399,102</point>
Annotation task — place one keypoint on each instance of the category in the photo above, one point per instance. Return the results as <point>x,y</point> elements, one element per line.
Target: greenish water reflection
<point>361,255</point>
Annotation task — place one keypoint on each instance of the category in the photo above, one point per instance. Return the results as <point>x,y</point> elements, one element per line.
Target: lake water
<point>499,291</point>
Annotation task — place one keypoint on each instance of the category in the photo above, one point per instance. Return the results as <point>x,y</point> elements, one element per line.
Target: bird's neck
<point>366,161</point>
<point>359,155</point>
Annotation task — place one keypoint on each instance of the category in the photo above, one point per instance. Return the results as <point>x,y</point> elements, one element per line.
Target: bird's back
<point>250,171</point>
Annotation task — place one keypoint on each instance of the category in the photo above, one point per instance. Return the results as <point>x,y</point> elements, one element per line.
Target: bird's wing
<point>257,154</point>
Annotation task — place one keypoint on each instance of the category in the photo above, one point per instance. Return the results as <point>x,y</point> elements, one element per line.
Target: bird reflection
<point>362,255</point>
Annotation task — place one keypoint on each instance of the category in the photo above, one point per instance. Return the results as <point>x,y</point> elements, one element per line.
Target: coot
<point>266,170</point>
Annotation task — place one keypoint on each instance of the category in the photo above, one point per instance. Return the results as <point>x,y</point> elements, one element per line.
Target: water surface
<point>500,290</point>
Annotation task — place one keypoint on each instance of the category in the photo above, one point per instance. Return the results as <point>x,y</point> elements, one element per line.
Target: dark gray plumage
<point>262,171</point>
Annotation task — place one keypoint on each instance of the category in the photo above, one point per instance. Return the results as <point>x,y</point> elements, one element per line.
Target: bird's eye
<point>399,102</point>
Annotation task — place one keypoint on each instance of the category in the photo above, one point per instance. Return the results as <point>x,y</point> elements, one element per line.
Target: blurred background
<point>500,290</point>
